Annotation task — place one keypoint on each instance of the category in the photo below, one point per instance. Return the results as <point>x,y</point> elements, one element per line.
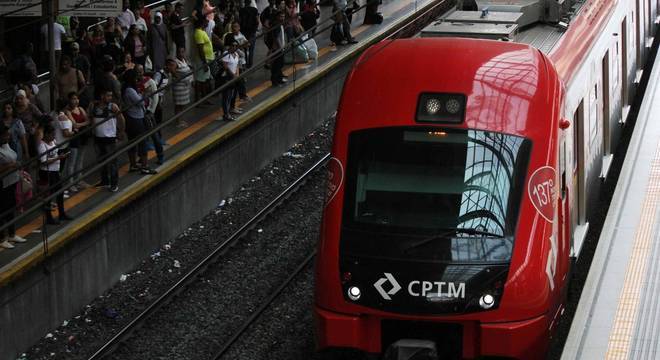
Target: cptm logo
<point>386,294</point>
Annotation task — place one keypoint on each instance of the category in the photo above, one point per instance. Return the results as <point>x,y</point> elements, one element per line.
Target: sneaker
<point>246,99</point>
<point>236,111</point>
<point>133,168</point>
<point>182,124</point>
<point>66,194</point>
<point>101,184</point>
<point>148,171</point>
<point>114,188</point>
<point>17,239</point>
<point>352,41</point>
<point>83,185</point>
<point>74,189</point>
<point>7,245</point>
<point>228,118</point>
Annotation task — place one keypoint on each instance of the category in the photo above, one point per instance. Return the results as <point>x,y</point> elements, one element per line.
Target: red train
<point>459,186</point>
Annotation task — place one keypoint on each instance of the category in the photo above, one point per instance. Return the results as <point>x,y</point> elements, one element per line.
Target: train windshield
<point>428,193</point>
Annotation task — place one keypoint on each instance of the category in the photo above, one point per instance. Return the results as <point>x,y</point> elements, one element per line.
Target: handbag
<point>149,120</point>
<point>25,182</point>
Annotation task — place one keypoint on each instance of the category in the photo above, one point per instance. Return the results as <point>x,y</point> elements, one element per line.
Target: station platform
<point>203,121</point>
<point>618,316</point>
<point>112,232</point>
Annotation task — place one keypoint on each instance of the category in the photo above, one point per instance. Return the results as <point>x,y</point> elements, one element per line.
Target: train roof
<point>502,82</point>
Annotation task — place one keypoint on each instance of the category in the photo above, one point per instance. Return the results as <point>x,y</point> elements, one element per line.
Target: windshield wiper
<point>448,232</point>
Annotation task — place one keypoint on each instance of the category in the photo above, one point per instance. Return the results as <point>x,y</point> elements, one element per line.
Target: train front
<point>439,234</point>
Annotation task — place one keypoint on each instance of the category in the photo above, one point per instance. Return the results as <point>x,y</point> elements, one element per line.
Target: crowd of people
<point>107,81</point>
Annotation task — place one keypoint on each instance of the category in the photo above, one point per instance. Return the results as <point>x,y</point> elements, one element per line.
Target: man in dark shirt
<point>177,26</point>
<point>249,21</point>
<point>23,69</point>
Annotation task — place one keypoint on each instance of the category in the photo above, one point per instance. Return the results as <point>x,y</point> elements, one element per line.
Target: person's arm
<point>85,122</point>
<point>24,146</point>
<point>67,132</point>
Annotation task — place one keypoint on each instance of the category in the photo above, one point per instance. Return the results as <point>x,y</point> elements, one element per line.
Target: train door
<point>564,213</point>
<point>606,104</point>
<point>624,70</point>
<point>579,215</point>
<point>638,40</point>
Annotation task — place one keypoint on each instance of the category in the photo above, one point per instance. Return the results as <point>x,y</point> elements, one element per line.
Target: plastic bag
<point>299,55</point>
<point>312,48</point>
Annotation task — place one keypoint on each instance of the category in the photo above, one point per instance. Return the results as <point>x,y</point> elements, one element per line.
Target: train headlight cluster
<point>441,108</point>
<point>354,293</point>
<point>486,301</point>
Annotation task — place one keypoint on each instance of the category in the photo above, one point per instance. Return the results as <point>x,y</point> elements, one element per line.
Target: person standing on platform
<point>8,166</point>
<point>49,173</point>
<point>181,75</point>
<point>135,123</point>
<point>177,27</point>
<point>279,43</point>
<point>109,127</point>
<point>249,21</point>
<point>159,43</point>
<point>59,32</point>
<point>203,57</point>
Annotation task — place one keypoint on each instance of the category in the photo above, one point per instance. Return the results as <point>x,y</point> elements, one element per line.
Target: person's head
<point>75,49</point>
<point>139,70</point>
<point>108,63</point>
<point>170,65</point>
<point>4,134</point>
<point>65,63</point>
<point>168,8</point>
<point>7,110</point>
<point>158,18</point>
<point>181,53</point>
<point>178,7</point>
<point>125,4</point>
<point>130,78</point>
<point>128,58</point>
<point>21,98</point>
<point>311,2</point>
<point>134,30</point>
<point>272,2</point>
<point>235,27</point>
<point>280,17</point>
<point>139,4</point>
<point>201,22</point>
<point>230,43</point>
<point>110,22</point>
<point>74,101</point>
<point>81,33</point>
<point>105,96</point>
<point>49,133</point>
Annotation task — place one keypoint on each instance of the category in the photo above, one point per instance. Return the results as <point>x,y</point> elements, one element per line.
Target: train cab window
<point>462,187</point>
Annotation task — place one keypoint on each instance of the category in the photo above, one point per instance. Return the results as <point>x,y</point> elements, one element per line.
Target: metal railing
<point>45,196</point>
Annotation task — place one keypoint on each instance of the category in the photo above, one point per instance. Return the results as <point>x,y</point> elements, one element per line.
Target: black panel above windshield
<point>424,193</point>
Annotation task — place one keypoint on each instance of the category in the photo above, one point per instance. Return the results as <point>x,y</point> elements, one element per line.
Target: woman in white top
<point>231,71</point>
<point>63,132</point>
<point>9,170</point>
<point>49,172</point>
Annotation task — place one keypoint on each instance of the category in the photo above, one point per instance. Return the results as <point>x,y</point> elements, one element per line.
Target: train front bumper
<point>520,339</point>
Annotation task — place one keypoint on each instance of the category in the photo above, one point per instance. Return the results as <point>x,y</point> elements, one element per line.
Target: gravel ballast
<point>79,337</point>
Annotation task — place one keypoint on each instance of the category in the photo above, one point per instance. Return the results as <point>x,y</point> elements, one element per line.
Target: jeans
<point>228,99</point>
<point>249,57</point>
<point>74,163</point>
<point>52,178</point>
<point>105,147</point>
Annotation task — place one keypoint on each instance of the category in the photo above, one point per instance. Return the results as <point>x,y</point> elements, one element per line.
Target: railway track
<point>111,345</point>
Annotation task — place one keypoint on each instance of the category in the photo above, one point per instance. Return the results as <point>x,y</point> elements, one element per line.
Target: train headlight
<point>441,108</point>
<point>354,293</point>
<point>432,106</point>
<point>486,301</point>
<point>453,106</point>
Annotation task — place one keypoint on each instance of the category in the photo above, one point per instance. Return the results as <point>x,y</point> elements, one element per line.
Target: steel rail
<point>201,267</point>
<point>225,347</point>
